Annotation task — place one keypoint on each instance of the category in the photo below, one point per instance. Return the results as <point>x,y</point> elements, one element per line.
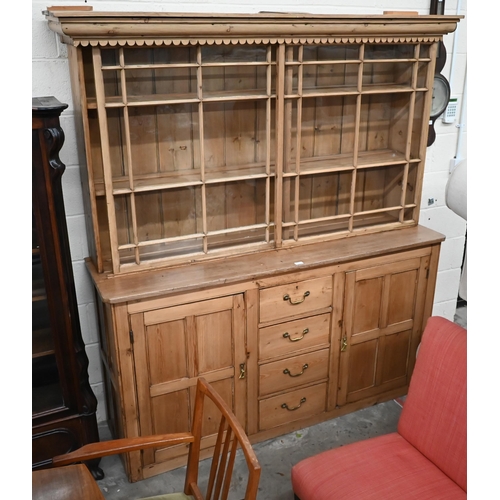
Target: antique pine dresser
<point>253,188</point>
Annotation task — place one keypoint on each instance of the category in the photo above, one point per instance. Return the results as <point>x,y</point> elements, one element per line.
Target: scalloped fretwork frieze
<point>250,41</point>
<point>89,28</point>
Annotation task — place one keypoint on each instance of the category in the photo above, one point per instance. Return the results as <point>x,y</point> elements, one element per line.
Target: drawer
<point>292,372</point>
<point>292,406</point>
<point>287,338</point>
<point>292,299</point>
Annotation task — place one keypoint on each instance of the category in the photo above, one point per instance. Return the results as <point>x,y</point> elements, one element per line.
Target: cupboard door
<point>172,348</point>
<point>381,328</point>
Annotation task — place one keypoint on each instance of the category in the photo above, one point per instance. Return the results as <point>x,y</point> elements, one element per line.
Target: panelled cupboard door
<point>174,346</point>
<point>381,327</point>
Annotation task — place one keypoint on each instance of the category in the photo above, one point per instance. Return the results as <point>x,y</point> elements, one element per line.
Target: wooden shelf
<point>308,166</point>
<point>180,98</point>
<point>46,399</point>
<point>42,343</point>
<point>180,179</point>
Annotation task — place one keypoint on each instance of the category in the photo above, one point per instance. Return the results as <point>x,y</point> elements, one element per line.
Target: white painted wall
<point>50,76</point>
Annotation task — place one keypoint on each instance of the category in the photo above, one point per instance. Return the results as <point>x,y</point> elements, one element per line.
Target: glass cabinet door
<point>182,159</point>
<point>46,387</point>
<point>354,119</point>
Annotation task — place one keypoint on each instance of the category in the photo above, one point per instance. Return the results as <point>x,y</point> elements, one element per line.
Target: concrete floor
<point>276,456</point>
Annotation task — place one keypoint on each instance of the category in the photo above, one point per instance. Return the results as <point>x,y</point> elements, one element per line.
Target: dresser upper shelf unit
<point>215,135</point>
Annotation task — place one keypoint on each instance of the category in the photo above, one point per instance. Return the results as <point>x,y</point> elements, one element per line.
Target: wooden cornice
<point>84,27</point>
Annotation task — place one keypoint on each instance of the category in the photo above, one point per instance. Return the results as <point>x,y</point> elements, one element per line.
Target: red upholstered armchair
<point>427,457</point>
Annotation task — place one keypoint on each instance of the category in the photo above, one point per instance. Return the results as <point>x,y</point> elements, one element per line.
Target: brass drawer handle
<point>285,406</point>
<point>296,339</point>
<point>287,297</point>
<point>286,371</point>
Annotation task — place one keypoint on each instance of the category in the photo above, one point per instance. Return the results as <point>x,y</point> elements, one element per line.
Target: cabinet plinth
<point>253,200</point>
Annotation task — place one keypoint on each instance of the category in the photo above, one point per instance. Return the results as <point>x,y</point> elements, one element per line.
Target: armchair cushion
<point>386,467</point>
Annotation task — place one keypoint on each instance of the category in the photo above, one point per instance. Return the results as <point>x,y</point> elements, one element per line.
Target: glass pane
<point>159,214</point>
<point>389,51</point>
<point>95,159</point>
<point>411,184</point>
<point>387,73</point>
<point>177,139</point>
<point>378,188</point>
<point>112,86</point>
<point>316,69</point>
<point>327,133</point>
<point>237,238</point>
<point>328,78</point>
<point>423,68</point>
<point>330,53</point>
<point>376,219</point>
<point>162,83</point>
<point>236,204</point>
<point>162,78</point>
<point>238,70</point>
<point>46,388</point>
<point>242,80</point>
<point>384,123</point>
<point>179,248</point>
<point>321,195</point>
<point>110,57</point>
<point>88,72</point>
<point>419,125</point>
<point>159,55</point>
<point>173,214</point>
<point>235,54</point>
<point>235,137</point>
<point>111,77</point>
<point>410,214</point>
<point>163,139</point>
<point>319,228</point>
<point>425,51</point>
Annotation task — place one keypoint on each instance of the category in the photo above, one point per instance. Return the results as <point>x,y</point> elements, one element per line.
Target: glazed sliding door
<point>182,151</point>
<point>354,129</point>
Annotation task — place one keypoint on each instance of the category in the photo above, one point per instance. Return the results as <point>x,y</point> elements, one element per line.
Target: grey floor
<point>276,456</point>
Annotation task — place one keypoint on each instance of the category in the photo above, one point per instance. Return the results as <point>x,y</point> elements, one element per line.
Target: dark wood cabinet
<point>63,404</point>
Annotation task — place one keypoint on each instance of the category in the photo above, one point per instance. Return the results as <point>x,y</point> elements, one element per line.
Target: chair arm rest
<point>117,446</point>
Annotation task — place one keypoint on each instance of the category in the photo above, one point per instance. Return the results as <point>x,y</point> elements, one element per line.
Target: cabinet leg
<point>96,471</point>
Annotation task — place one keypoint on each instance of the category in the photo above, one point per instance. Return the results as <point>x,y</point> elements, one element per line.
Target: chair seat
<point>171,496</point>
<point>386,467</point>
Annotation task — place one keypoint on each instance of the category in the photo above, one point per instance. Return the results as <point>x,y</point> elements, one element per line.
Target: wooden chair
<point>230,437</point>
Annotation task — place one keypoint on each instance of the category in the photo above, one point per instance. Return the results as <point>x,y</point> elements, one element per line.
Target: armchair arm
<point>117,446</point>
